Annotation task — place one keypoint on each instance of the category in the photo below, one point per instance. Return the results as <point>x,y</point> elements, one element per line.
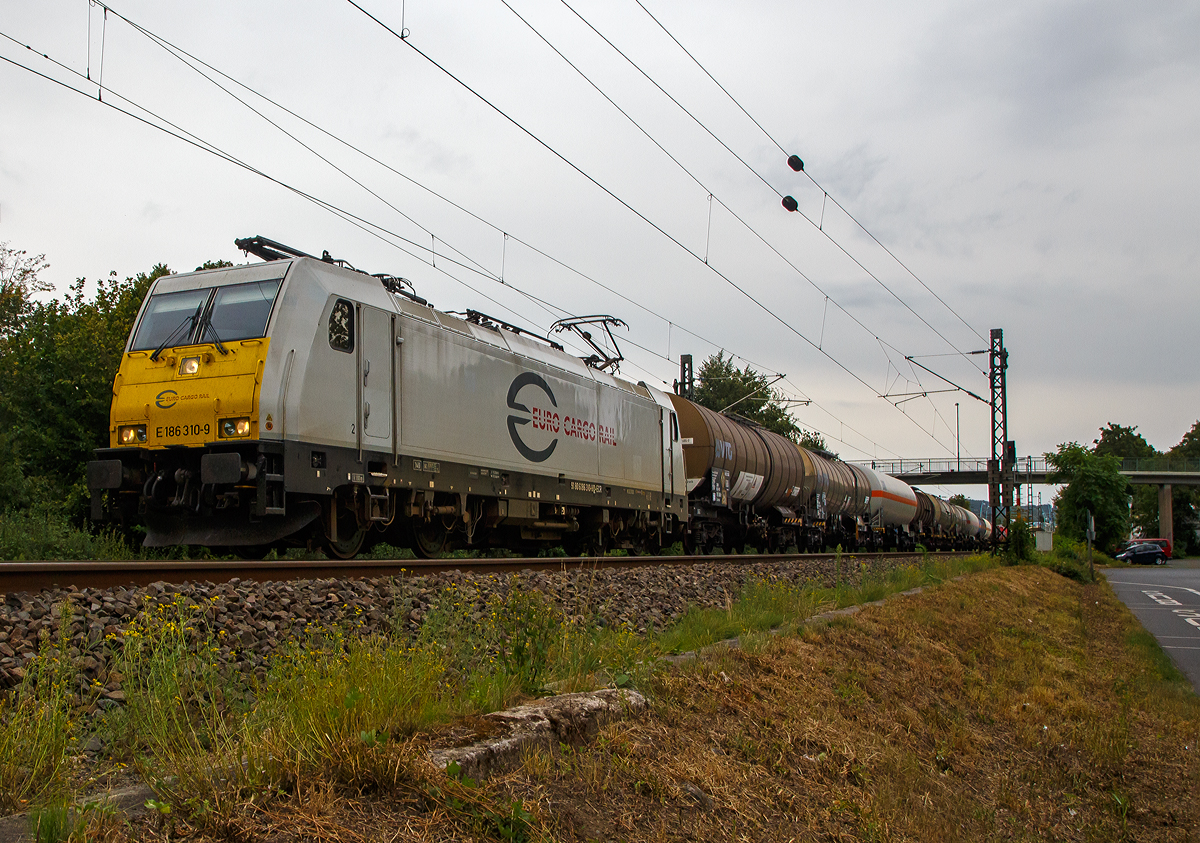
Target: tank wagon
<point>300,401</point>
<point>750,485</point>
<point>941,525</point>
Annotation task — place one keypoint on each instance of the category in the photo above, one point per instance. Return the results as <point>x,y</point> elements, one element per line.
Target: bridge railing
<point>952,465</point>
<point>1025,465</point>
<point>1162,464</point>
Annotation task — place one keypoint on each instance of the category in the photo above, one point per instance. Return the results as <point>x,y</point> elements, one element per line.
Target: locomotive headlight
<point>234,428</point>
<point>131,434</point>
<point>189,366</point>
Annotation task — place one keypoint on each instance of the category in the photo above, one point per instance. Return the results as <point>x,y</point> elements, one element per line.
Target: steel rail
<point>39,576</point>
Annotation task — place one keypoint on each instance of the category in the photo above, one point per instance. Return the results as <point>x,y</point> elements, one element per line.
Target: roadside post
<point>1091,537</point>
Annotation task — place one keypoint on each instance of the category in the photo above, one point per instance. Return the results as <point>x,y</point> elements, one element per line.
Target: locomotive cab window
<point>341,326</point>
<point>240,311</point>
<point>170,317</point>
<point>674,428</point>
<point>191,317</point>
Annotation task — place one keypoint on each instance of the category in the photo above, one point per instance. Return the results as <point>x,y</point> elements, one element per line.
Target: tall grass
<point>38,726</point>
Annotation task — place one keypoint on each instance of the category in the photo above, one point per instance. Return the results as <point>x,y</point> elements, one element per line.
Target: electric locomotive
<point>299,401</point>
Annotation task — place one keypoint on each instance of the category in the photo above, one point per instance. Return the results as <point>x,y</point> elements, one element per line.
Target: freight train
<point>302,402</point>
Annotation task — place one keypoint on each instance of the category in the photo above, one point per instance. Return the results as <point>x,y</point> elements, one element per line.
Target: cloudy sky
<point>1030,165</point>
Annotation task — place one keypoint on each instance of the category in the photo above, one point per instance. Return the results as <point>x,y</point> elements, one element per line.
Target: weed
<point>38,725</point>
<point>52,823</point>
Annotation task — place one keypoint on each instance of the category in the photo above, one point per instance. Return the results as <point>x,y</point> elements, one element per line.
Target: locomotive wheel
<point>345,548</point>
<point>591,544</point>
<point>350,536</point>
<point>251,551</point>
<point>428,539</point>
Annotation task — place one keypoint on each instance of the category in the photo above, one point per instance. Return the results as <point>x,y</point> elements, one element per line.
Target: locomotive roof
<point>368,289</point>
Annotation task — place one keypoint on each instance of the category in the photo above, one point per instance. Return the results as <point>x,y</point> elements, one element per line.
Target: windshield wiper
<point>206,327</point>
<point>187,322</point>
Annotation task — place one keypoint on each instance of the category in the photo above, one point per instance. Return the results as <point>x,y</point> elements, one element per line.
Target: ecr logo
<point>166,399</point>
<point>519,382</point>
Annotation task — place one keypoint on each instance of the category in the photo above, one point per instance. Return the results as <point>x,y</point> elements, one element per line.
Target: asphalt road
<point>1166,599</point>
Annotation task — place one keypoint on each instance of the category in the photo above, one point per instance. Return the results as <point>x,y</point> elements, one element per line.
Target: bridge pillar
<point>1166,519</point>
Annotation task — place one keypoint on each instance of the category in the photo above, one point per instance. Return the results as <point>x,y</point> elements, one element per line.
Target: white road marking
<point>1161,599</point>
<point>1155,585</point>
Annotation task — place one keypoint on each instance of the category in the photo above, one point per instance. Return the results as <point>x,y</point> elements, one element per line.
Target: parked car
<point>1165,544</point>
<point>1143,553</point>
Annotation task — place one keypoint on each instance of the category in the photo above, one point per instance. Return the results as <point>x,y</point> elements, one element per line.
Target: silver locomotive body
<point>371,416</point>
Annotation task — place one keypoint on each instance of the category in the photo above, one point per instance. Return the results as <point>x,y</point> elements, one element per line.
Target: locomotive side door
<point>376,364</point>
<point>669,425</point>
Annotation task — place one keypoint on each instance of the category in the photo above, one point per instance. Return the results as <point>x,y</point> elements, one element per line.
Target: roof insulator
<point>790,203</point>
<point>795,163</point>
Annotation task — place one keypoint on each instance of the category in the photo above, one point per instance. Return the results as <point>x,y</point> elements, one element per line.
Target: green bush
<point>43,532</point>
<point>1020,542</point>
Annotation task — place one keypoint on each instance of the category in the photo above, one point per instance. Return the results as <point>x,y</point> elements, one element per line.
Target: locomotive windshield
<point>190,317</point>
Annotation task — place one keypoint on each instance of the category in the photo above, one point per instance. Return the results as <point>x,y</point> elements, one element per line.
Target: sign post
<point>1091,537</point>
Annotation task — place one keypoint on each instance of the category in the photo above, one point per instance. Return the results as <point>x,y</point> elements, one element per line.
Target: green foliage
<point>57,367</point>
<point>1092,483</point>
<point>723,386</point>
<point>18,283</point>
<point>43,532</point>
<point>765,605</point>
<point>1020,541</point>
<point>1127,444</point>
<point>960,500</point>
<point>1123,442</point>
<point>217,264</point>
<point>1185,500</point>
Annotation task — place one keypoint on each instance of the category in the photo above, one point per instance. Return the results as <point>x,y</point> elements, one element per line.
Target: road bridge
<point>1163,472</point>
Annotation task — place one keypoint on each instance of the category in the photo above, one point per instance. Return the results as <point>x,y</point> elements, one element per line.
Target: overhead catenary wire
<point>408,42</point>
<point>367,225</point>
<point>179,52</point>
<point>815,183</point>
<point>819,227</point>
<point>688,172</point>
<point>169,128</point>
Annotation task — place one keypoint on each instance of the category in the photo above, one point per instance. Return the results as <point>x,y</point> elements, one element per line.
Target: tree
<point>959,500</point>
<point>1125,443</point>
<point>217,264</point>
<point>18,282</point>
<point>1093,483</point>
<point>724,387</point>
<point>1185,500</point>
<point>56,374</point>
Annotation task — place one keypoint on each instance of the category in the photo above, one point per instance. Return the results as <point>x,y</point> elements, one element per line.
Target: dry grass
<point>1011,705</point>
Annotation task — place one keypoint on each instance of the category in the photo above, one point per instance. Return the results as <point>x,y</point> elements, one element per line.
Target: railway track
<point>42,575</point>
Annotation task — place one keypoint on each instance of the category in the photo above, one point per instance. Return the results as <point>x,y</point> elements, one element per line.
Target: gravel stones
<point>253,620</point>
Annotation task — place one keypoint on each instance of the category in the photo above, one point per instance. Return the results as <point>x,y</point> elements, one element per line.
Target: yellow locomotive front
<point>193,368</point>
<point>186,408</point>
